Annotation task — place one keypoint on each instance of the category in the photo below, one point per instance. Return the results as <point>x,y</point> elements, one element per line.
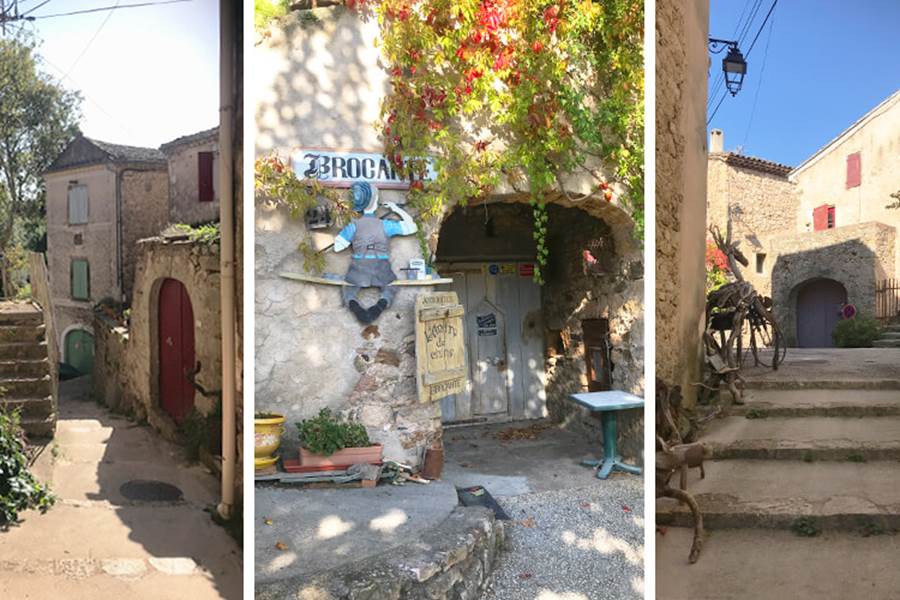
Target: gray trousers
<point>365,272</point>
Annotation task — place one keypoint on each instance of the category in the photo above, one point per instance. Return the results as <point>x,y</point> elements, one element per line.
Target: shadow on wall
<point>322,91</point>
<point>802,277</point>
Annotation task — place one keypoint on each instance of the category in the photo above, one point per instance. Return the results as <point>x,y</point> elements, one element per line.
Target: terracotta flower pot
<point>342,458</point>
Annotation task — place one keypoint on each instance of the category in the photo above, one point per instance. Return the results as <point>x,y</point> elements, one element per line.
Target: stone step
<point>40,427</point>
<point>23,351</point>
<point>20,313</point>
<point>822,383</point>
<point>890,334</point>
<point>22,333</point>
<point>883,343</point>
<point>776,494</point>
<point>822,403</point>
<point>764,564</point>
<point>25,387</point>
<point>24,368</point>
<point>29,407</point>
<point>800,438</point>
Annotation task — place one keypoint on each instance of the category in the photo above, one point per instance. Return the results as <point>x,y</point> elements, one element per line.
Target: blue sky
<point>828,63</point>
<point>149,76</point>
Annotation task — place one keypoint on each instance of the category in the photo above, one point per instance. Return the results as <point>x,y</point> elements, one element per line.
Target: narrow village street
<point>800,497</point>
<point>111,534</point>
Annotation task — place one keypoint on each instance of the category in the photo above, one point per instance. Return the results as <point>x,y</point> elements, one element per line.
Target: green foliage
<point>38,118</point>
<point>805,527</point>
<point>19,490</point>
<point>755,413</point>
<point>858,332</point>
<point>325,434</point>
<point>206,233</point>
<point>808,457</point>
<point>555,89</point>
<point>856,458</point>
<point>870,528</point>
<point>265,11</point>
<point>194,434</point>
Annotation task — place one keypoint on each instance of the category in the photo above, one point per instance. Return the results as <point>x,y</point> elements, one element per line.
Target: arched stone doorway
<point>819,303</point>
<point>78,349</point>
<point>176,350</point>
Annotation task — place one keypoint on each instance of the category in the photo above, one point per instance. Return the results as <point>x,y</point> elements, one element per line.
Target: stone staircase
<point>792,463</point>
<point>890,337</point>
<point>25,371</point>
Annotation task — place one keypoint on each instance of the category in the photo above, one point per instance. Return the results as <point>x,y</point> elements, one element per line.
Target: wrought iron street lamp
<point>733,65</point>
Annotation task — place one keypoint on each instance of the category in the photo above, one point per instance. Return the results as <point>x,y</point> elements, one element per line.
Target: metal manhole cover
<point>143,490</point>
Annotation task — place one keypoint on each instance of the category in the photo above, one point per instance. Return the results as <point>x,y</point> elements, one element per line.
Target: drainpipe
<point>226,221</point>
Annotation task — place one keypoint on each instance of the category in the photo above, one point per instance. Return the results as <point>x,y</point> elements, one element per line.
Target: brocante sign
<point>341,168</point>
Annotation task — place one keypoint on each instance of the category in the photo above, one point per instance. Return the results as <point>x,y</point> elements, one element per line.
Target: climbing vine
<point>517,93</point>
<point>491,95</point>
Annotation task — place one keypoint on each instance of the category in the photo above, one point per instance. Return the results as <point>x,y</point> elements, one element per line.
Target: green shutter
<point>81,281</point>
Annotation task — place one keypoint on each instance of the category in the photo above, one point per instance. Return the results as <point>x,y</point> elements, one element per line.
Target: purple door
<point>819,305</point>
<point>176,350</point>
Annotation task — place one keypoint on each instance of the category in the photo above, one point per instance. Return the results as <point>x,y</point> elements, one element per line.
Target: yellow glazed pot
<point>267,437</point>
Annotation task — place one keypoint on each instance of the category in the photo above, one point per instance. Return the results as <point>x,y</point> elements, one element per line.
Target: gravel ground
<point>582,543</point>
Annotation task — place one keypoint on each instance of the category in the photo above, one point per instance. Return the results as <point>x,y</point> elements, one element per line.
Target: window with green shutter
<point>80,279</point>
<point>78,204</point>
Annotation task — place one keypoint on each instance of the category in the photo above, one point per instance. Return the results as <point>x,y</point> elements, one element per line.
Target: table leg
<point>611,460</point>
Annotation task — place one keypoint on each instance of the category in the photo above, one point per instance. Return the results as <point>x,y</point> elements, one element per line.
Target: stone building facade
<point>820,235</point>
<point>101,199</point>
<point>310,351</point>
<point>681,36</point>
<point>193,163</point>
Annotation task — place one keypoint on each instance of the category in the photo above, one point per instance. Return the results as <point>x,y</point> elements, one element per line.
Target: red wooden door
<point>176,350</point>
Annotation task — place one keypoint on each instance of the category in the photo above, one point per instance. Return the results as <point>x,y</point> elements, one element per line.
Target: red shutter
<point>205,176</point>
<point>820,217</point>
<point>854,170</point>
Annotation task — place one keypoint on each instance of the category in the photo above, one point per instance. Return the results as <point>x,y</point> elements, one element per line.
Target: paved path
<point>97,544</point>
<point>802,497</point>
<point>573,537</point>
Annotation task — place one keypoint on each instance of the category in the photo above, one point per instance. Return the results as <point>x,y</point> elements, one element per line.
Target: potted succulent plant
<point>326,441</point>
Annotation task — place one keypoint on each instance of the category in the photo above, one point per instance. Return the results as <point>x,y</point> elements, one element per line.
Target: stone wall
<point>184,187</point>
<point>126,364</point>
<point>574,293</point>
<point>144,215</point>
<point>856,256</point>
<point>681,35</point>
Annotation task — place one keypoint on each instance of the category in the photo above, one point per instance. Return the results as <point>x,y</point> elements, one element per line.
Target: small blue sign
<point>494,269</point>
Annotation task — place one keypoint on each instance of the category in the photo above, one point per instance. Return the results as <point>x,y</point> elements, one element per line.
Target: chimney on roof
<point>716,141</point>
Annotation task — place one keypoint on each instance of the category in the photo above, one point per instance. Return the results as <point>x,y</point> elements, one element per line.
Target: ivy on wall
<point>509,92</point>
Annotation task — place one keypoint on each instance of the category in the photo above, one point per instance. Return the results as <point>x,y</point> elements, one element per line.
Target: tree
<point>38,118</point>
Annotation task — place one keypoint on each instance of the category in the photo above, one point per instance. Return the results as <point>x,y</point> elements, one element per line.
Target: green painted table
<point>608,404</point>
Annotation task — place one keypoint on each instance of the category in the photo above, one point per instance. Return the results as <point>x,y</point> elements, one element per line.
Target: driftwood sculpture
<point>674,455</point>
<point>735,312</point>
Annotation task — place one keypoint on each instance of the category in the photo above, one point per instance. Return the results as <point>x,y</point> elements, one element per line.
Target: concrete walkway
<point>808,472</point>
<point>573,536</point>
<point>96,543</point>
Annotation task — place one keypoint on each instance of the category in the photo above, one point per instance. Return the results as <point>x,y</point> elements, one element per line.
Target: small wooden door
<point>176,350</point>
<point>596,353</point>
<point>487,327</point>
<point>819,306</point>
<point>79,351</point>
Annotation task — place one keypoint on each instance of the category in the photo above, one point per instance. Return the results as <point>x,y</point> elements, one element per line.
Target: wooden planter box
<point>342,458</point>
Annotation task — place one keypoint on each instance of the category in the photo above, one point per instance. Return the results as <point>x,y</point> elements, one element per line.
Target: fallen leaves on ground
<point>267,520</point>
<point>625,508</point>
<point>585,505</point>
<point>281,546</point>
<point>525,575</point>
<point>529,523</point>
<point>522,433</point>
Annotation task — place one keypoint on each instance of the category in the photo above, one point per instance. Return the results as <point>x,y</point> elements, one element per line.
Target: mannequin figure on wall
<point>368,236</point>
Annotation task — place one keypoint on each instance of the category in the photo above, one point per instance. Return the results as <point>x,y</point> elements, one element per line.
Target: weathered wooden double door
<point>504,342</point>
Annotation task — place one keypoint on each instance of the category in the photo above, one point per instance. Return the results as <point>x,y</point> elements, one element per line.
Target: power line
<point>761,73</point>
<point>769,14</point>
<point>100,9</point>
<point>34,8</point>
<point>91,41</point>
